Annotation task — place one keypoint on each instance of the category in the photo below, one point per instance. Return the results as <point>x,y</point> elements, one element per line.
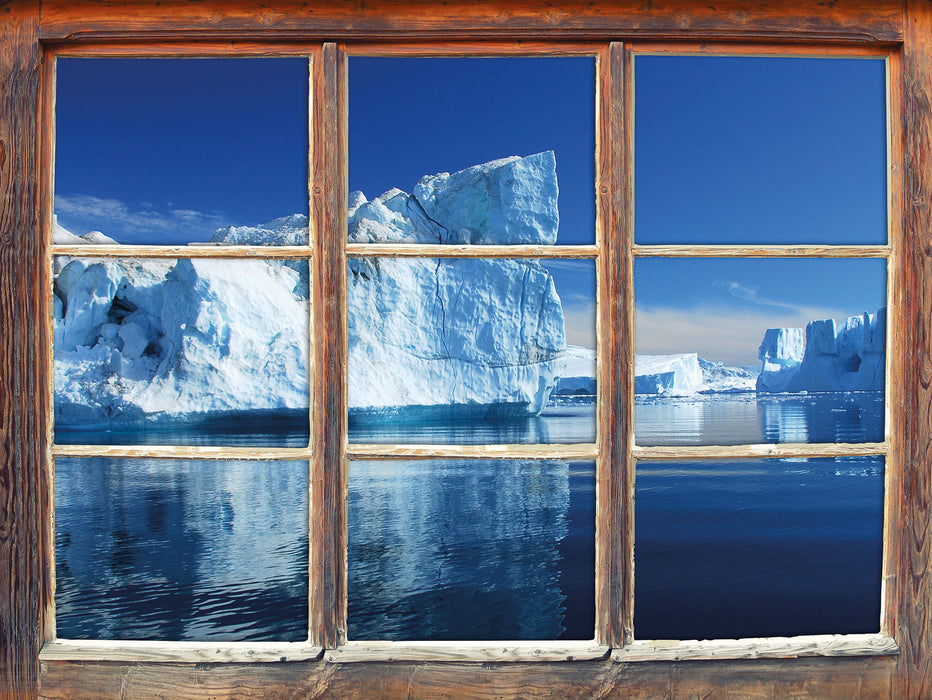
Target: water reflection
<point>751,548</point>
<point>471,549</point>
<point>734,419</point>
<point>179,550</point>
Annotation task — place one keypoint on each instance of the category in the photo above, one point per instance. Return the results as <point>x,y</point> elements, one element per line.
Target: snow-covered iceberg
<point>826,357</point>
<point>456,338</point>
<point>669,375</point>
<point>143,340</point>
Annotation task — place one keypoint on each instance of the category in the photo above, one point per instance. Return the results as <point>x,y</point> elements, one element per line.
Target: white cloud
<point>579,322</point>
<point>142,222</point>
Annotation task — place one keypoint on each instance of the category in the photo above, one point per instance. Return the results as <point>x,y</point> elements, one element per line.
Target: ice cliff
<point>463,338</point>
<point>145,340</point>
<point>826,357</point>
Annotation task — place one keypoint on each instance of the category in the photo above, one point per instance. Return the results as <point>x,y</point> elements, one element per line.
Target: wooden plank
<point>793,450</point>
<point>328,429</point>
<point>895,368</point>
<point>361,451</point>
<point>763,648</point>
<point>534,47</point>
<point>843,21</point>
<point>89,650</point>
<point>181,251</point>
<point>692,48</point>
<point>911,621</point>
<point>838,677</point>
<point>182,452</point>
<point>615,470</point>
<point>470,652</point>
<point>772,251</point>
<point>414,250</point>
<point>25,589</point>
<point>186,49</point>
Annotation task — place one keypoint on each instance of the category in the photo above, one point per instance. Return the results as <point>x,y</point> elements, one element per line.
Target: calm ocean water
<point>483,549</point>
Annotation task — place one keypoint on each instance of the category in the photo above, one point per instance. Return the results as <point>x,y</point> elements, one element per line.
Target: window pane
<point>181,351</point>
<point>169,151</point>
<point>760,150</point>
<point>471,549</point>
<point>751,351</point>
<point>414,121</point>
<point>757,548</point>
<point>471,351</point>
<point>180,550</point>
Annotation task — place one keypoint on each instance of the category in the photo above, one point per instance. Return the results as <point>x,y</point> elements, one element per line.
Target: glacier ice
<point>826,356</point>
<point>144,340</point>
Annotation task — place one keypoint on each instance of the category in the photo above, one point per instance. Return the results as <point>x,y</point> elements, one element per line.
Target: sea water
<point>450,549</point>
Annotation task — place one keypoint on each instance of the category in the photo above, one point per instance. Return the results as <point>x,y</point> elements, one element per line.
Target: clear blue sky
<point>728,150</point>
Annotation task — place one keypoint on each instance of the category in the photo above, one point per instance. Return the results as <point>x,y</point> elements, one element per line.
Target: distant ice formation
<point>684,374</point>
<point>826,357</point>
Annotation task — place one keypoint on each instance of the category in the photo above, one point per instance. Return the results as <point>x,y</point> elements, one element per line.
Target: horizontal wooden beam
<point>844,21</point>
<point>792,450</point>
<point>416,250</point>
<point>89,650</point>
<point>825,677</point>
<point>764,648</point>
<point>772,251</point>
<point>181,251</point>
<point>470,652</point>
<point>183,452</point>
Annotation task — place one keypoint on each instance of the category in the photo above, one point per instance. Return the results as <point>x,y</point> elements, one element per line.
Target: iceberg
<point>826,356</point>
<point>683,374</point>
<point>456,338</point>
<point>156,340</point>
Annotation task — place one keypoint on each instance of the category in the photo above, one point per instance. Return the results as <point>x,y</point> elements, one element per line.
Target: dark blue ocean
<point>482,549</point>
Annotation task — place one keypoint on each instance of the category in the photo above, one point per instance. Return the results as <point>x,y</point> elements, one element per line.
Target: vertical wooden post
<point>328,280</point>
<point>23,487</point>
<point>913,348</point>
<point>615,475</point>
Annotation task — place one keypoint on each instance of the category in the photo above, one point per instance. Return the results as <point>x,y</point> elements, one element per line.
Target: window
<point>443,664</point>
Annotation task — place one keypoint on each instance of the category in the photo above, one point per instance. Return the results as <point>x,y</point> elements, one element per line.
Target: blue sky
<point>168,150</point>
<point>728,150</point>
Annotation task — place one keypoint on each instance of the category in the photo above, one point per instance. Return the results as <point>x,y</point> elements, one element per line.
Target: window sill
<point>178,652</point>
<point>758,648</point>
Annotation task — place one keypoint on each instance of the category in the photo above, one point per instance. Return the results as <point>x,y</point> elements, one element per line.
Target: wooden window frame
<point>796,666</point>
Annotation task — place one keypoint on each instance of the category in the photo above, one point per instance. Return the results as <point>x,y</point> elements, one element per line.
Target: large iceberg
<point>456,338</point>
<point>826,357</point>
<point>144,340</point>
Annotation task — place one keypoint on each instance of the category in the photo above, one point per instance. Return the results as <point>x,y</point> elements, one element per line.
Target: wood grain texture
<point>182,452</point>
<point>180,251</point>
<point>764,648</point>
<point>773,251</point>
<point>24,582</point>
<point>413,250</point>
<point>913,343</point>
<point>615,469</point>
<point>328,283</point>
<point>472,652</point>
<point>864,678</point>
<point>178,652</point>
<point>789,450</point>
<point>841,21</point>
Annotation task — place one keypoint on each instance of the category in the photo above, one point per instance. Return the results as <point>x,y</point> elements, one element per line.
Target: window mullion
<point>615,469</point>
<point>328,272</point>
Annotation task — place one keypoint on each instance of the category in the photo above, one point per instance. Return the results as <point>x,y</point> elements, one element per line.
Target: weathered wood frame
<point>844,667</point>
